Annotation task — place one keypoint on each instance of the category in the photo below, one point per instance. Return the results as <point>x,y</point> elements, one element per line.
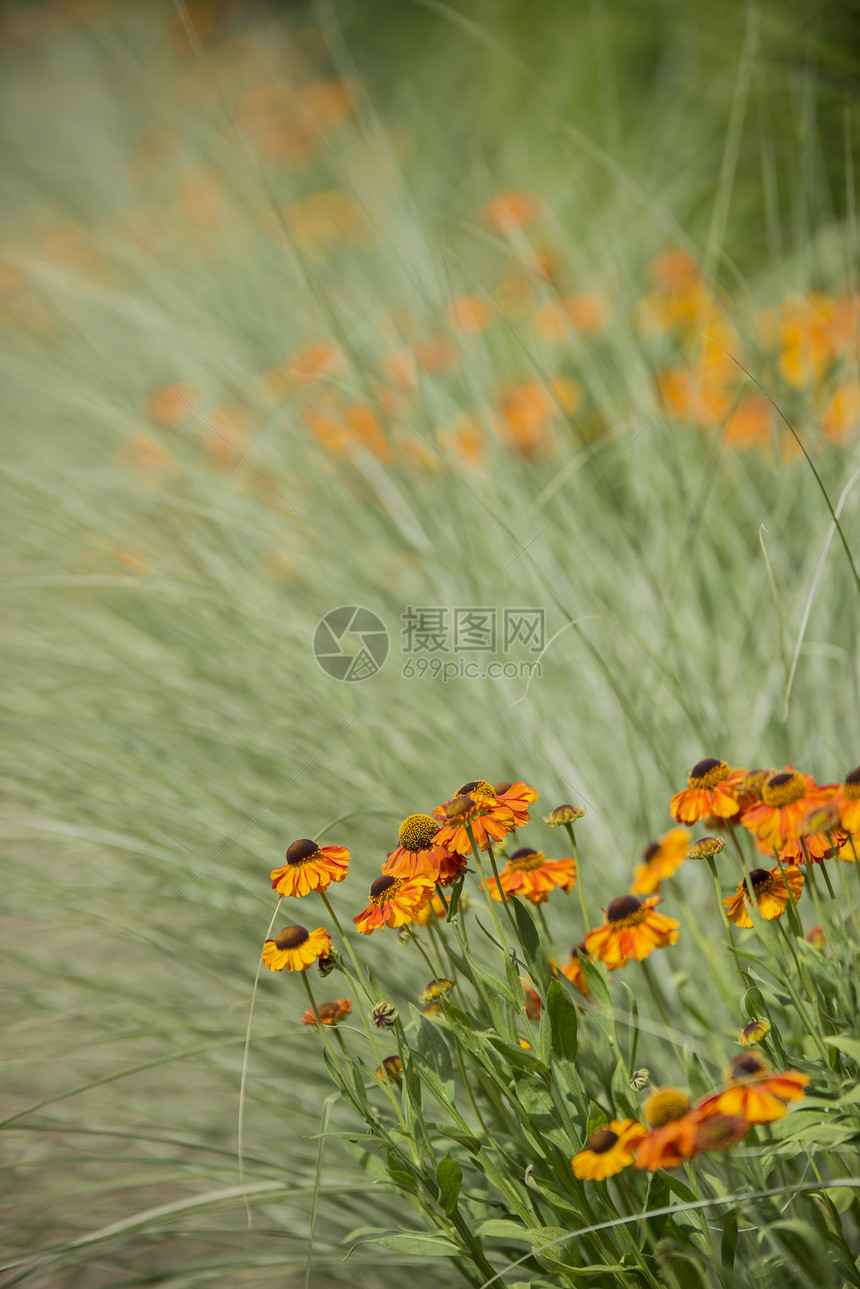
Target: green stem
<point>361,1011</point>
<point>658,1002</point>
<point>486,888</point>
<point>321,1027</point>
<point>579,884</point>
<point>726,923</point>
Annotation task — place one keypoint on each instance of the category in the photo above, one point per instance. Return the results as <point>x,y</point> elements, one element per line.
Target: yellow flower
<point>294,948</point>
<point>772,887</point>
<point>660,860</point>
<point>394,901</point>
<point>530,874</point>
<point>608,1150</point>
<point>310,867</point>
<point>633,929</point>
<point>712,790</point>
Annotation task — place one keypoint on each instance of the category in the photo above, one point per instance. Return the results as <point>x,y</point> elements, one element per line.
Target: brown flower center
<point>626,910</point>
<point>650,851</point>
<point>385,888</point>
<point>708,773</point>
<point>746,1066</point>
<point>479,790</point>
<point>460,808</point>
<point>602,1140</point>
<point>526,860</point>
<point>290,937</point>
<point>851,786</point>
<point>301,851</point>
<point>783,789</point>
<point>760,878</point>
<point>417,832</point>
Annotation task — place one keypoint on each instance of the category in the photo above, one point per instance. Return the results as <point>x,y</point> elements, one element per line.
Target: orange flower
<point>294,948</point>
<point>532,1001</point>
<point>754,1093</point>
<point>310,867</point>
<point>511,211</point>
<point>470,314</point>
<point>517,797</point>
<point>530,874</point>
<point>785,799</point>
<point>660,860</point>
<point>712,790</point>
<point>394,901</point>
<point>418,853</point>
<point>773,887</point>
<point>750,425</point>
<point>847,801</point>
<point>435,908</point>
<point>633,929</point>
<point>330,1013</point>
<point>573,969</point>
<point>608,1150</point>
<point>700,1129</point>
<point>475,803</point>
<point>170,405</point>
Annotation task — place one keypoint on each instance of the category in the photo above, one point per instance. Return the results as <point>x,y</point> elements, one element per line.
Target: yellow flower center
<point>602,1140</point>
<point>290,937</point>
<point>708,774</point>
<point>301,851</point>
<point>384,889</point>
<point>526,860</point>
<point>480,791</point>
<point>665,1106</point>
<point>851,786</point>
<point>626,911</point>
<point>417,832</point>
<point>783,789</point>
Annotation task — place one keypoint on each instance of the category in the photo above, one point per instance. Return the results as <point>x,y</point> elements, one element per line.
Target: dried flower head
<point>754,1032</point>
<point>391,1068</point>
<point>566,814</point>
<point>384,1015</point>
<point>436,989</point>
<point>706,847</point>
<point>329,1013</point>
<point>329,962</point>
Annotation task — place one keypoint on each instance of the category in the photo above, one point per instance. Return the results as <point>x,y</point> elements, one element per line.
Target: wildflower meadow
<point>431,558</point>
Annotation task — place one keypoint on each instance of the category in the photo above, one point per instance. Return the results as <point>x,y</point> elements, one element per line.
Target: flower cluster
<point>531,1041</point>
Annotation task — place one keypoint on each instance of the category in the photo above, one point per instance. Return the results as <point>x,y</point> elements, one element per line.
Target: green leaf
<point>530,940</point>
<point>423,1246</point>
<point>454,898</point>
<point>496,985</point>
<point>729,1242</point>
<point>449,1175</point>
<point>562,1019</point>
<point>850,1046</point>
<point>595,977</point>
<point>753,1003</point>
<point>434,1052</point>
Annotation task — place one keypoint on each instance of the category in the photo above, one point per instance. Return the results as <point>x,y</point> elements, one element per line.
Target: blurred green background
<point>168,556</point>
